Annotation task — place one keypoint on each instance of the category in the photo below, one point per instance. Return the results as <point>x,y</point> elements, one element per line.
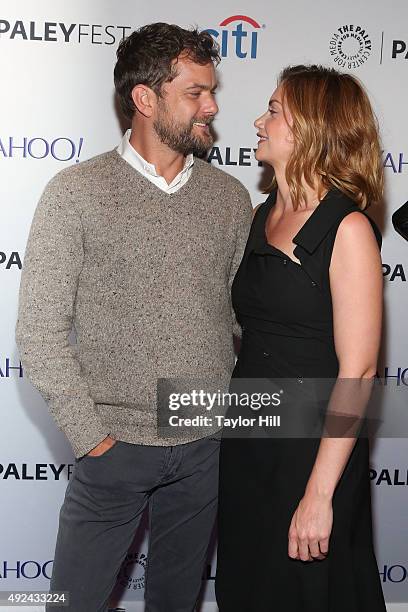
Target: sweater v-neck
<point>155,188</point>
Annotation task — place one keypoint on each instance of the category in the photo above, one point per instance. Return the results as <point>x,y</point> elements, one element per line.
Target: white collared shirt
<point>148,170</point>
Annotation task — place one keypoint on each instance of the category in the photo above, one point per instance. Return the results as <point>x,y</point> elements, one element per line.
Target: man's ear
<point>144,99</point>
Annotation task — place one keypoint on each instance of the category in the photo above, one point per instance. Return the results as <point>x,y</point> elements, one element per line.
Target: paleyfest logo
<point>240,40</point>
<point>350,46</point>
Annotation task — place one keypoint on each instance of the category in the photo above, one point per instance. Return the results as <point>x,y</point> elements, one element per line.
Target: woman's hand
<point>310,528</point>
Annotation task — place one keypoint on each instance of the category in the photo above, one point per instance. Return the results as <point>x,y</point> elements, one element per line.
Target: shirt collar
<point>129,152</point>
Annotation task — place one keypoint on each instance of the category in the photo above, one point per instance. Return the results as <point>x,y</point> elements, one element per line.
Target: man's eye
<point>272,111</point>
<point>195,94</point>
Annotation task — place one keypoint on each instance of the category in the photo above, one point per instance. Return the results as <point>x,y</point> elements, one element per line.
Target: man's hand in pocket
<point>102,447</point>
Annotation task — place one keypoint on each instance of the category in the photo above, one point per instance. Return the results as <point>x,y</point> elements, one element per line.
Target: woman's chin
<point>260,157</point>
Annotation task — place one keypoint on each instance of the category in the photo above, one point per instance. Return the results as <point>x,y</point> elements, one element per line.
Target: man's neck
<point>168,163</point>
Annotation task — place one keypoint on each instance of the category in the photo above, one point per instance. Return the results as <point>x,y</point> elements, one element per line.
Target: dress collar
<point>332,207</point>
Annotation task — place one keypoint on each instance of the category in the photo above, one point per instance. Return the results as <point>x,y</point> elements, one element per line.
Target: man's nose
<point>212,108</point>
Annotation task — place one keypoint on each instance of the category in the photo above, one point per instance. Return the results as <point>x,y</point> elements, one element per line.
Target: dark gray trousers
<point>102,509</point>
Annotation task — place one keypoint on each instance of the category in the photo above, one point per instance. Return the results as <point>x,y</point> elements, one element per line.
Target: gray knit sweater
<point>144,279</point>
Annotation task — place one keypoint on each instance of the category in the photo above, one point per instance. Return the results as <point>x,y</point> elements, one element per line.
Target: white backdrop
<point>57,108</point>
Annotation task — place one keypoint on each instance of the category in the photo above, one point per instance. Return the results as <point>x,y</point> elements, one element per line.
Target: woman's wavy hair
<point>335,132</point>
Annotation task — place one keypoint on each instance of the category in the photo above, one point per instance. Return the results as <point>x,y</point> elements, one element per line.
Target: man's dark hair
<point>147,57</point>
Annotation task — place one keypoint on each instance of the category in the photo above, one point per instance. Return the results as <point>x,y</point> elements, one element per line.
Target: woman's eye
<point>272,111</point>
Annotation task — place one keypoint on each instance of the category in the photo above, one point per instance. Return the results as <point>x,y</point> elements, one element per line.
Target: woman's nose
<point>257,122</point>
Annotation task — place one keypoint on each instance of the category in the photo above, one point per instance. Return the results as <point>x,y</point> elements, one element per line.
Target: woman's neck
<point>284,199</point>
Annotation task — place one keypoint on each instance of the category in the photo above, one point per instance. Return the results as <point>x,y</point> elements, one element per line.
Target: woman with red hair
<point>308,295</point>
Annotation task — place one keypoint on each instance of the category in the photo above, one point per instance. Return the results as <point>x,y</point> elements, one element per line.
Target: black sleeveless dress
<point>285,311</point>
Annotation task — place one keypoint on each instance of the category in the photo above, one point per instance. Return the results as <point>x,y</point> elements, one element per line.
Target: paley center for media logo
<point>350,46</point>
<point>237,36</point>
<point>132,572</point>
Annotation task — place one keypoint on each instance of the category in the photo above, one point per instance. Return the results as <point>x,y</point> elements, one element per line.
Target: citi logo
<point>241,41</point>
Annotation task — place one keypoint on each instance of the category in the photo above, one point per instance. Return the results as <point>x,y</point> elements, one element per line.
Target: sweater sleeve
<point>242,223</point>
<point>52,265</point>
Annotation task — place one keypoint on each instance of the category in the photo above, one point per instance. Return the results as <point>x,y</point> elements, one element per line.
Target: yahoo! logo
<point>399,376</point>
<point>7,368</point>
<point>25,569</point>
<point>61,148</point>
<point>395,161</point>
<point>243,48</point>
<point>394,573</point>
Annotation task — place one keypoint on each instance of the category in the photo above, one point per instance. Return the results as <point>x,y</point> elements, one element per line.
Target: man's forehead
<point>190,73</point>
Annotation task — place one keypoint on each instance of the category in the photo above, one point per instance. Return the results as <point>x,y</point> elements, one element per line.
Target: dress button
<point>300,380</point>
<point>285,261</point>
<point>313,284</point>
<point>265,354</point>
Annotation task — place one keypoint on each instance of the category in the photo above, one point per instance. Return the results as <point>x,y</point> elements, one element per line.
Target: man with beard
<point>136,250</point>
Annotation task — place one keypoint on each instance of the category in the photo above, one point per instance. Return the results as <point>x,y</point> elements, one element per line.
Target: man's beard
<point>180,137</point>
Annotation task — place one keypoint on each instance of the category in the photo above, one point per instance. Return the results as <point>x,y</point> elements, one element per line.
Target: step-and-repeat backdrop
<point>58,109</point>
